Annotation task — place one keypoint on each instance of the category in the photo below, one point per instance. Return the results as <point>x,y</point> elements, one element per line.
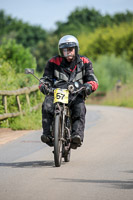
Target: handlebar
<point>78,91</point>
<point>51,90</point>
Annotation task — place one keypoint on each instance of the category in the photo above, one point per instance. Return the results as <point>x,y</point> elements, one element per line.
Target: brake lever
<point>79,90</point>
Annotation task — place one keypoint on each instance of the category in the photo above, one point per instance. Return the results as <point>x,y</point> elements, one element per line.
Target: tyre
<point>67,156</point>
<point>57,141</point>
<point>67,148</point>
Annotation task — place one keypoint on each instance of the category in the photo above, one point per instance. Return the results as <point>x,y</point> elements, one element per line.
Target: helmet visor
<point>67,45</point>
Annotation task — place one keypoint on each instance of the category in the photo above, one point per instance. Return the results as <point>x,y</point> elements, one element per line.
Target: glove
<point>88,89</point>
<point>44,89</point>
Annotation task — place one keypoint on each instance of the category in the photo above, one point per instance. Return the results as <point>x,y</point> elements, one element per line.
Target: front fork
<point>59,110</point>
<point>65,128</point>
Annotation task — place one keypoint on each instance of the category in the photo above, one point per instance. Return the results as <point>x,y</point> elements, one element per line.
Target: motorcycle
<point>61,127</point>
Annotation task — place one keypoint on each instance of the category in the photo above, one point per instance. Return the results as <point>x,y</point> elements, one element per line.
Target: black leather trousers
<point>78,112</point>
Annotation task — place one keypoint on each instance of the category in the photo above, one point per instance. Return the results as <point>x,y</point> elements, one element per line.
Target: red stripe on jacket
<point>56,60</point>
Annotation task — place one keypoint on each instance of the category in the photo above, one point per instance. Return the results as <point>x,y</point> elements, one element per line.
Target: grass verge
<point>123,97</point>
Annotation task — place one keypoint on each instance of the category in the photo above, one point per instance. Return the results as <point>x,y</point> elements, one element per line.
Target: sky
<point>47,12</point>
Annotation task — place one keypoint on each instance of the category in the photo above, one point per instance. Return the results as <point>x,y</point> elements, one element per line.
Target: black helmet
<point>66,42</point>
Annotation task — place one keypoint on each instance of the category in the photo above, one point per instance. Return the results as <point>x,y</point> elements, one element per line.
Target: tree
<point>87,20</point>
<point>16,55</point>
<point>26,35</point>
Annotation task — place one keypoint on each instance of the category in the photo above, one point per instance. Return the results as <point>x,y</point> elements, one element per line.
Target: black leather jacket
<point>61,73</point>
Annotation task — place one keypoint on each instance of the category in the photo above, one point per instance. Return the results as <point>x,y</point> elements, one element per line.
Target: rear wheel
<point>67,156</point>
<point>67,148</point>
<point>57,141</point>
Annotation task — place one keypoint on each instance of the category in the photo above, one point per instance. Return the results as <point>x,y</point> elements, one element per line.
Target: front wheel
<point>57,141</point>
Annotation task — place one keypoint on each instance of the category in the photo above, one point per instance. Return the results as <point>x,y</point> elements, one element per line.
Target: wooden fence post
<point>19,105</point>
<point>4,101</point>
<point>28,99</point>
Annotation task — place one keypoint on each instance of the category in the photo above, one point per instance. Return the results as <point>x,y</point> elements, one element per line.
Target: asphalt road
<point>102,169</point>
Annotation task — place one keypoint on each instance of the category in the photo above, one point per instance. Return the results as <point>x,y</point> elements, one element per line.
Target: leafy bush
<point>111,40</point>
<point>16,55</point>
<point>110,69</point>
<point>14,59</point>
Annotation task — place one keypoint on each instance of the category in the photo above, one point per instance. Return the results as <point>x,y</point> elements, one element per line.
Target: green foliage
<point>14,58</point>
<point>44,51</point>
<point>122,98</point>
<point>28,36</point>
<point>16,55</point>
<point>1,107</point>
<point>115,39</point>
<point>8,77</point>
<point>87,20</point>
<point>30,121</point>
<point>43,44</point>
<point>25,34</point>
<point>10,80</point>
<point>110,69</point>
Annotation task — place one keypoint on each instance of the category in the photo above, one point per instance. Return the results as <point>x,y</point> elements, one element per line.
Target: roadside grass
<point>30,121</point>
<point>123,97</point>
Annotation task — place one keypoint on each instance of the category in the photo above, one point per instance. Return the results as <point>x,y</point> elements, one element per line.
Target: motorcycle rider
<point>61,71</point>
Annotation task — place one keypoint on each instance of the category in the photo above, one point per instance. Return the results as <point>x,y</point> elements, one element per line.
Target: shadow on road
<point>33,164</point>
<point>130,171</point>
<point>118,184</point>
